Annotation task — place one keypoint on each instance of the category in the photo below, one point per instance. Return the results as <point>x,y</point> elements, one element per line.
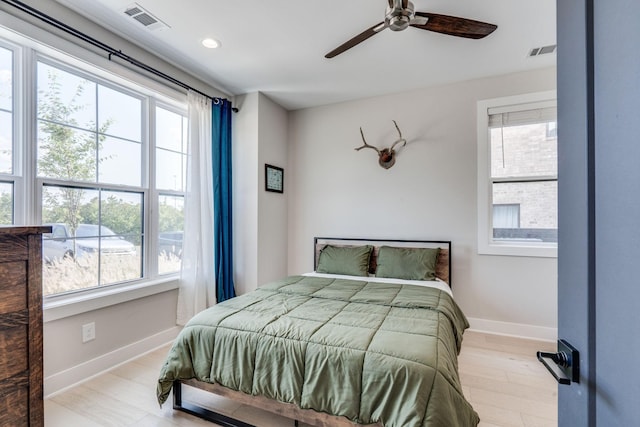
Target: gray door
<point>599,208</point>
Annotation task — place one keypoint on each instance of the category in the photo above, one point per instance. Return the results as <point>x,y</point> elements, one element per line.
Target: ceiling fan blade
<point>356,40</point>
<point>454,26</point>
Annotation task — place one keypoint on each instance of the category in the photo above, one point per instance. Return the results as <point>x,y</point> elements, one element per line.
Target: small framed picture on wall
<point>273,178</point>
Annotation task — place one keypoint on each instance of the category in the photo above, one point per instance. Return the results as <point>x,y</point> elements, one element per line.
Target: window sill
<point>524,250</point>
<point>66,306</point>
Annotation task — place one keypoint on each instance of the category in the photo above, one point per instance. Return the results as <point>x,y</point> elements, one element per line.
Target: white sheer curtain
<point>197,279</point>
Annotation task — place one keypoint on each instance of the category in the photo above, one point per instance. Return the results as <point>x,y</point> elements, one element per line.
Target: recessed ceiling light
<point>210,43</point>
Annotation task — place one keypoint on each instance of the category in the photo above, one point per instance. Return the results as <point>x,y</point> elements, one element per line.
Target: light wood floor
<point>500,376</point>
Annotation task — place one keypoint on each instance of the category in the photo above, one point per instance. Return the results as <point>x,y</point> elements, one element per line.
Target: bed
<point>371,337</point>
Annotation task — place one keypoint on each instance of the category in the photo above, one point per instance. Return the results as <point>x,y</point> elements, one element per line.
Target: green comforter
<point>371,352</point>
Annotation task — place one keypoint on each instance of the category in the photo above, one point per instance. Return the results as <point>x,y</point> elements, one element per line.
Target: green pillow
<point>353,261</point>
<point>407,263</point>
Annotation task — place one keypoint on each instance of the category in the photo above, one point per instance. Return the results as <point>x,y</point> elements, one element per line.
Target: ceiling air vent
<point>537,51</point>
<point>144,17</point>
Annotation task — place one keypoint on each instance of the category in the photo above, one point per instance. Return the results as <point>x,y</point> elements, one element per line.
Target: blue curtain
<point>223,234</point>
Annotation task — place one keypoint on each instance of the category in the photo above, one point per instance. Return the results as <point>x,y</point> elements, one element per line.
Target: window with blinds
<point>520,174</point>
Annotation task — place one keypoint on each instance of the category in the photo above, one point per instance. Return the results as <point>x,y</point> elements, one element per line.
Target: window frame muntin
<point>486,244</point>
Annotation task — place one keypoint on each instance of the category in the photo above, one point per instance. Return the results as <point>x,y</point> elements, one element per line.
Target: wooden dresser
<point>21,402</point>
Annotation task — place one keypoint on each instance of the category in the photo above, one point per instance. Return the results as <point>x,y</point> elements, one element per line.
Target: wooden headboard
<point>443,267</point>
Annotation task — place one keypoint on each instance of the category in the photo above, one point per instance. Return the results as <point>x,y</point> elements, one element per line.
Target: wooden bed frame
<point>290,410</point>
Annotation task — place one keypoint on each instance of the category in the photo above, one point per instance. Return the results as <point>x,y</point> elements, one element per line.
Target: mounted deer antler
<point>386,156</point>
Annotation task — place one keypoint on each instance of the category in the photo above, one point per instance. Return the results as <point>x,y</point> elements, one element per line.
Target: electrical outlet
<point>88,332</point>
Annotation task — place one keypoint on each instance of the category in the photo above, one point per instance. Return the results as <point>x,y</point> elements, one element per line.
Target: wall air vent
<point>144,17</point>
<point>537,51</point>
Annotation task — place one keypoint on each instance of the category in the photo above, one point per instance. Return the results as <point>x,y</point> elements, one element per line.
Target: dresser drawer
<point>13,279</point>
<point>13,407</point>
<point>14,356</point>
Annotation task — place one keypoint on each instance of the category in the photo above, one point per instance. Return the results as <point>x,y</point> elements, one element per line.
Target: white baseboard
<point>520,330</point>
<point>61,381</point>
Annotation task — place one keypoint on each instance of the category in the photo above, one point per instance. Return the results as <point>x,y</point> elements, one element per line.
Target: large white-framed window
<point>83,152</point>
<point>518,175</point>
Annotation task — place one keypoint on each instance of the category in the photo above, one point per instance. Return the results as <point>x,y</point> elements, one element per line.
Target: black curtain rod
<point>110,50</point>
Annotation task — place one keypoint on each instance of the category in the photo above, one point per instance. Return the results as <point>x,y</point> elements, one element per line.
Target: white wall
<point>272,220</point>
<point>260,217</point>
<point>245,192</point>
<point>430,193</point>
<point>123,331</point>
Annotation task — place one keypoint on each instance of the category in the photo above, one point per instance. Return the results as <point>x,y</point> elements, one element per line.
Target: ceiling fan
<point>400,14</point>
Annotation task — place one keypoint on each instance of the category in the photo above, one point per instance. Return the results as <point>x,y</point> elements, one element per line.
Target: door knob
<point>564,365</point>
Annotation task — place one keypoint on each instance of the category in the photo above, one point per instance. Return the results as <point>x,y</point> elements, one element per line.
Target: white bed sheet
<point>438,284</point>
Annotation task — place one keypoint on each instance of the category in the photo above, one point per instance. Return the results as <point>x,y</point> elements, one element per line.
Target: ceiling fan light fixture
<point>398,23</point>
<point>210,43</point>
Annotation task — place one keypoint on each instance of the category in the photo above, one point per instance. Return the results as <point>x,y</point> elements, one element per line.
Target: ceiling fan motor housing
<point>397,17</point>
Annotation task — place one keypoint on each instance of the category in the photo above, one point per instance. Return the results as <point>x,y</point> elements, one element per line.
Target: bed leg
<point>205,414</point>
<point>177,395</point>
<point>295,423</point>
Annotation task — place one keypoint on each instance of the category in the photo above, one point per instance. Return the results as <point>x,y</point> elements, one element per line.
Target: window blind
<point>523,117</point>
